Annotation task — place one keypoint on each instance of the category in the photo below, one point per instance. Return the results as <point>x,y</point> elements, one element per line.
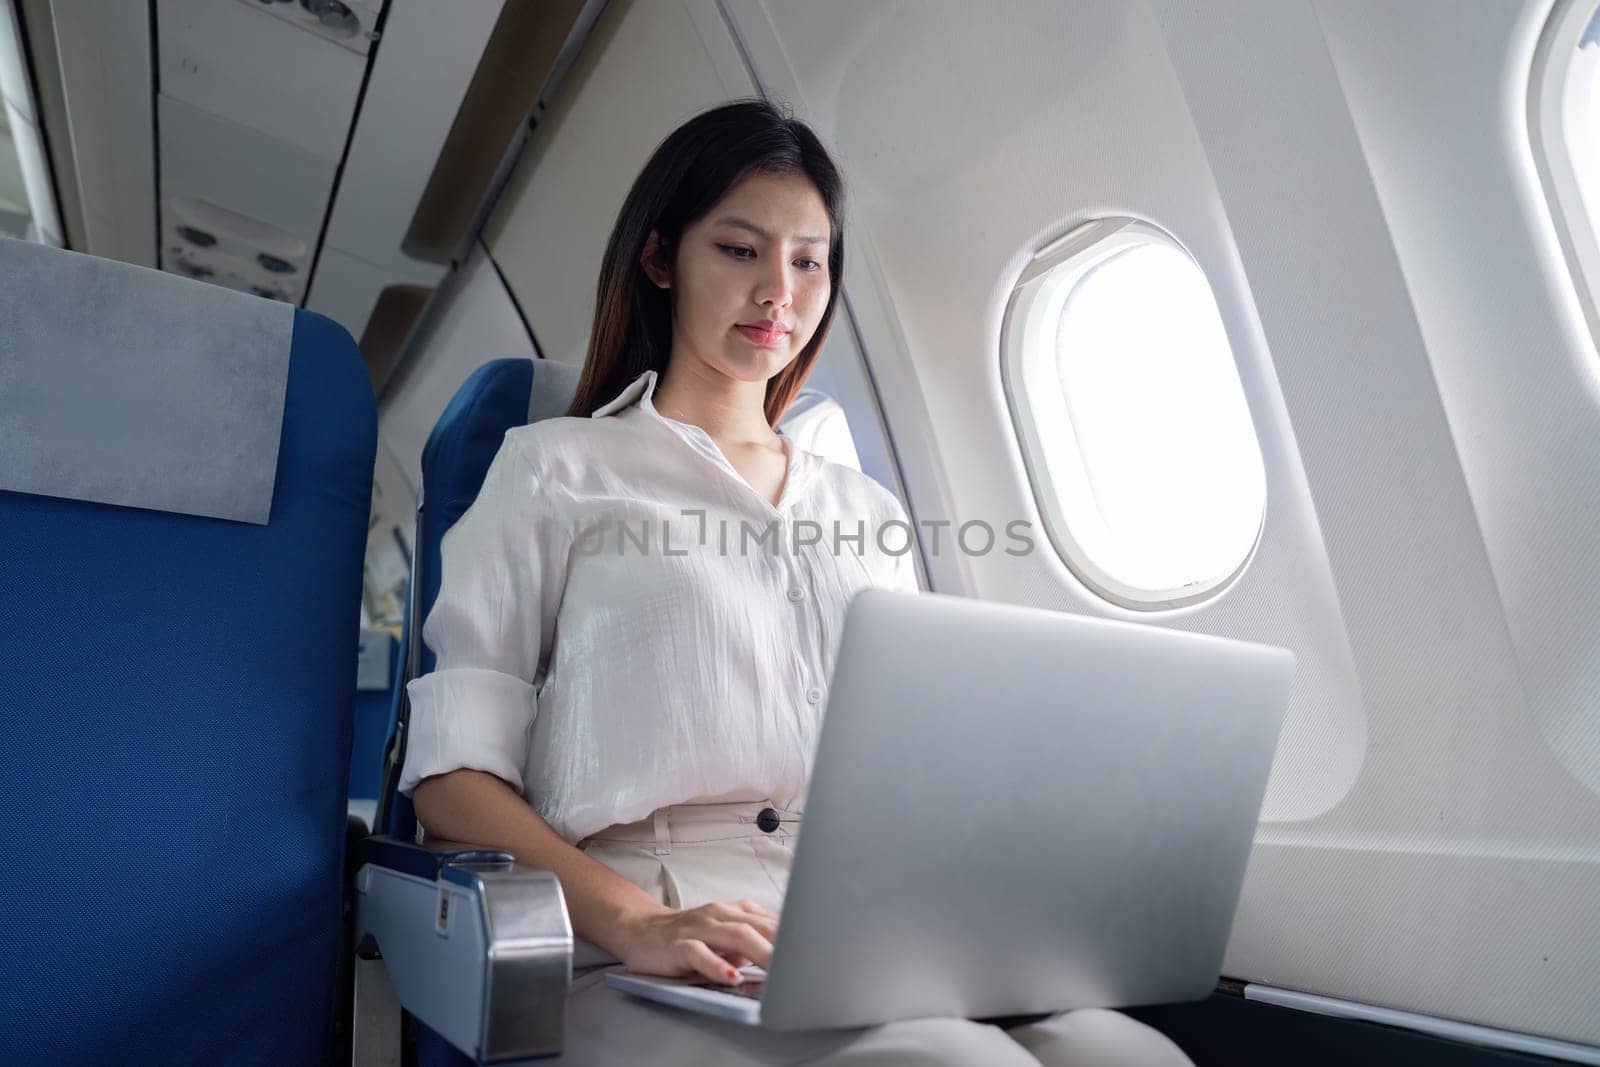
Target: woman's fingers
<point>742,911</point>
<point>699,958</point>
<point>742,938</point>
<point>715,940</point>
<point>767,928</point>
<point>752,906</point>
<point>754,914</point>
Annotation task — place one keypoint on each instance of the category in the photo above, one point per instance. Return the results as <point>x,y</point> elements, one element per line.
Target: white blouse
<point>623,622</point>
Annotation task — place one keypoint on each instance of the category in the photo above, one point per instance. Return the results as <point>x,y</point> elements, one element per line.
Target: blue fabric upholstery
<point>492,400</point>
<point>174,749</point>
<point>463,443</point>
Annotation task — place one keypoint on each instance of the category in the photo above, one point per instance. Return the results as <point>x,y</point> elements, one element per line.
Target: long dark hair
<point>686,175</point>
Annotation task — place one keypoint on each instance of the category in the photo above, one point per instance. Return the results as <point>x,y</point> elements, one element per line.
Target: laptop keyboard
<point>747,988</point>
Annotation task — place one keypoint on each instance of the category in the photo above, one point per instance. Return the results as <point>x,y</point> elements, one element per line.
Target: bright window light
<point>1564,126</point>
<point>1578,117</point>
<point>1133,421</point>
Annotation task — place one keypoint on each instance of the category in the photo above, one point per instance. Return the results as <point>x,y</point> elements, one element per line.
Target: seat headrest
<point>128,386</point>
<point>554,385</point>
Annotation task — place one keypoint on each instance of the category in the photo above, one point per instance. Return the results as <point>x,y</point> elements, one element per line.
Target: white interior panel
<point>241,63</point>
<point>104,52</point>
<point>929,297</point>
<point>355,33</point>
<point>235,167</point>
<point>478,322</point>
<point>346,289</point>
<point>1385,870</point>
<point>1446,134</point>
<point>549,231</point>
<point>1459,877</point>
<point>430,52</point>
<point>1365,211</point>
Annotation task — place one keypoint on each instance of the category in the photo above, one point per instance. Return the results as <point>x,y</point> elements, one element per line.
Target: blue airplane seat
<point>177,736</point>
<point>499,396</point>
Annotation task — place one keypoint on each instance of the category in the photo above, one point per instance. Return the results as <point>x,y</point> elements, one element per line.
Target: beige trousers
<point>692,854</point>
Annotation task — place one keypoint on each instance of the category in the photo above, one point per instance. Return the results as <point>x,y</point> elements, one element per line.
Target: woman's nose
<point>776,288</point>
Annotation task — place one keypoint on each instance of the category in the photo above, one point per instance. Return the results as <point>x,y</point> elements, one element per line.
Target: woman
<point>634,635</point>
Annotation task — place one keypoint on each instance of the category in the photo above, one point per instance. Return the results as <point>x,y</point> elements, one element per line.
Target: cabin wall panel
<point>1411,802</point>
<point>476,322</point>
<point>1455,770</point>
<point>1094,124</point>
<point>645,69</point>
<point>1415,805</point>
<point>1444,126</point>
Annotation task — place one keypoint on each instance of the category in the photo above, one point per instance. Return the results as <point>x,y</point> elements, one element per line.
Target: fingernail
<point>732,973</point>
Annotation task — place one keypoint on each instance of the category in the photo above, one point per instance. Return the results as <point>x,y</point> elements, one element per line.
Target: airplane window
<point>1133,421</point>
<point>1578,120</point>
<point>1565,121</point>
<point>816,423</point>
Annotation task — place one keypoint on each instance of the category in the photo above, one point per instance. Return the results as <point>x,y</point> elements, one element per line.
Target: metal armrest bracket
<point>476,947</point>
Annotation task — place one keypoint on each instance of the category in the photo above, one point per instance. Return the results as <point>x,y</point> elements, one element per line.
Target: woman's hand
<point>713,940</point>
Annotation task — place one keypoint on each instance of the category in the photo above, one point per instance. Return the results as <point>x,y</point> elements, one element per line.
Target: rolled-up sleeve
<point>502,570</point>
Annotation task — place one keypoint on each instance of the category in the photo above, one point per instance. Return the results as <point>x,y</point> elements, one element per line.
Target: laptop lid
<point>1016,810</point>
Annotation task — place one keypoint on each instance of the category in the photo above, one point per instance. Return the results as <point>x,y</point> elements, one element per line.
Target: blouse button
<point>767,820</point>
<point>814,695</point>
<point>795,594</point>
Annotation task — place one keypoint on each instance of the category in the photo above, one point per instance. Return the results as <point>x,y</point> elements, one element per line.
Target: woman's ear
<point>655,263</point>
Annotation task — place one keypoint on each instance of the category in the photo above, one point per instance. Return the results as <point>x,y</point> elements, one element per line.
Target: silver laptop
<point>1013,811</point>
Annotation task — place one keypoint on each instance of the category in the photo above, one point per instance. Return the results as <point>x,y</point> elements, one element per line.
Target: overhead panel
<point>254,110</point>
<point>238,62</point>
<point>420,72</point>
<point>350,24</point>
<point>520,58</point>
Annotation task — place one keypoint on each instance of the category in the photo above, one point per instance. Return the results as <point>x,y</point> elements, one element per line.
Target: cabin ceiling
<point>255,106</point>
<point>289,148</point>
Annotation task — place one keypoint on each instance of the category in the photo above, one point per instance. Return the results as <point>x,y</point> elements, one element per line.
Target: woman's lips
<point>762,337</point>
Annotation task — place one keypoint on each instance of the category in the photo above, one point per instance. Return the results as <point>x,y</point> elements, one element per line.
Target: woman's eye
<point>740,252</point>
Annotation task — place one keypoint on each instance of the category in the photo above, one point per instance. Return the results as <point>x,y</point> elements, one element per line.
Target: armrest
<point>475,946</point>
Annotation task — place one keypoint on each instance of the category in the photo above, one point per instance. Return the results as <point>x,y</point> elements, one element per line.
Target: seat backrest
<point>499,396</point>
<point>176,740</point>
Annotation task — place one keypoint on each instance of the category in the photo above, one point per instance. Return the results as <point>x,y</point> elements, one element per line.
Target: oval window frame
<point>1055,468</point>
<point>1550,78</point>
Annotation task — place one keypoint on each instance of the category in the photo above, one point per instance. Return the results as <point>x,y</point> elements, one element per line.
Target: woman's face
<point>759,257</point>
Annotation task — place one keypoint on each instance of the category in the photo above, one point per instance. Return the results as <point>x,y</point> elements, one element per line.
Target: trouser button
<point>767,820</point>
